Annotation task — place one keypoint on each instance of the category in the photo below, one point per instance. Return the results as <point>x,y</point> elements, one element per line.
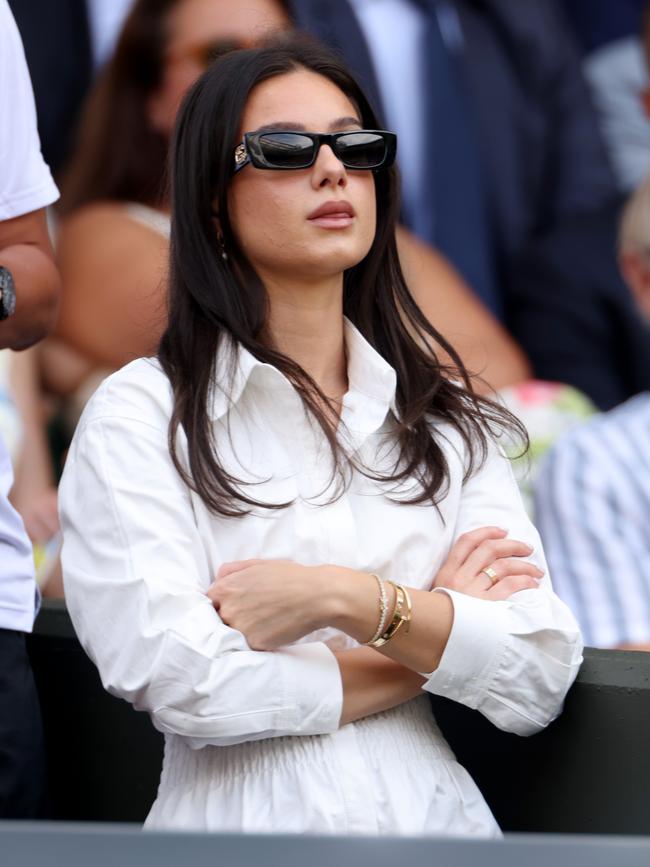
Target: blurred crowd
<point>524,144</point>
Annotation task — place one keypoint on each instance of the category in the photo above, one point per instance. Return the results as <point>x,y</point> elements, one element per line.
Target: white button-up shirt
<point>253,741</point>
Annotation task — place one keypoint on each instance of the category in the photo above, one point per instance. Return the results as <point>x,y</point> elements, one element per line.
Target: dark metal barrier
<point>588,772</point>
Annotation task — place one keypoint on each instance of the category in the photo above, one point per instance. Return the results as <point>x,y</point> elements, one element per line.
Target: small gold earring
<point>221,245</point>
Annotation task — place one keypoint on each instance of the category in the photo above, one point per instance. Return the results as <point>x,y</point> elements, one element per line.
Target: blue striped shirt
<point>592,504</point>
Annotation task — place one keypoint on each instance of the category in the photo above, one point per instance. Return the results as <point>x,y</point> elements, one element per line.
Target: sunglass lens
<point>287,149</point>
<point>361,150</point>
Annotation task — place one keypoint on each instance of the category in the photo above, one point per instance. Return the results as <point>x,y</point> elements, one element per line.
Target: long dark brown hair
<point>213,302</point>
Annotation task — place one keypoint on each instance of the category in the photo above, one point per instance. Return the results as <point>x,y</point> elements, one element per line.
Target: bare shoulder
<point>114,272</point>
<point>105,225</point>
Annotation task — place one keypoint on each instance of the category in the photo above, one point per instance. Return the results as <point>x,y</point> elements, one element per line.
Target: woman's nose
<point>328,169</point>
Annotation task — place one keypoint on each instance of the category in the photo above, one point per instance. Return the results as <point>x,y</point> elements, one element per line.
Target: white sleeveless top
<point>150,217</point>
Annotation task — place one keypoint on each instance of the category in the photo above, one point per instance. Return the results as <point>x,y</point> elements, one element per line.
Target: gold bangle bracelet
<point>383,610</point>
<point>402,598</point>
<point>396,623</point>
<point>409,610</point>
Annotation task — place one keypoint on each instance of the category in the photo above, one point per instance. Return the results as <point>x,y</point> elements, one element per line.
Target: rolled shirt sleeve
<point>136,576</point>
<point>512,660</point>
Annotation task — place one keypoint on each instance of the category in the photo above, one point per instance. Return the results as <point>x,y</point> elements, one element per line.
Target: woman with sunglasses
<point>255,521</point>
<point>114,234</point>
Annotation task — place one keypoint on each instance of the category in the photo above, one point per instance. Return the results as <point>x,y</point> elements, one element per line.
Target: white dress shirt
<point>253,741</point>
<point>25,185</point>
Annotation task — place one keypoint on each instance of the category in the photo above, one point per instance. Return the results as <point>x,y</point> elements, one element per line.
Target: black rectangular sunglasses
<point>280,150</point>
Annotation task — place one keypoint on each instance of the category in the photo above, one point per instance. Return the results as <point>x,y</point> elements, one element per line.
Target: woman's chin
<point>335,255</point>
<point>325,265</point>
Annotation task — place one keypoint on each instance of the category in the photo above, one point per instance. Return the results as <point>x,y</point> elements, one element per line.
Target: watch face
<point>7,293</point>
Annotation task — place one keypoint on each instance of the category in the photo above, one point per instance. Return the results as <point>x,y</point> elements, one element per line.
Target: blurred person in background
<point>593,490</point>
<point>615,68</point>
<point>29,290</point>
<point>114,235</point>
<point>510,159</point>
<point>494,95</point>
<point>573,311</point>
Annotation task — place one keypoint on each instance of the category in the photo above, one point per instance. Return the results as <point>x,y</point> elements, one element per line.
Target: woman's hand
<point>486,564</point>
<point>272,602</point>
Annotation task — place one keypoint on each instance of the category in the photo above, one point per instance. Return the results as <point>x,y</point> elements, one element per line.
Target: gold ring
<point>492,575</point>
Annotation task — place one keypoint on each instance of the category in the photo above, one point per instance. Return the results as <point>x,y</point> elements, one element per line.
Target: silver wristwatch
<point>7,293</point>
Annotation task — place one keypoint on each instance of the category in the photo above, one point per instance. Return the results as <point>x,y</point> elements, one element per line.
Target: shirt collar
<point>369,375</point>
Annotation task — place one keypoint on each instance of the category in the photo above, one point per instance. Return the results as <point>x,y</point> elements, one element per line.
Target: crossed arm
<point>135,554</point>
<point>275,602</point>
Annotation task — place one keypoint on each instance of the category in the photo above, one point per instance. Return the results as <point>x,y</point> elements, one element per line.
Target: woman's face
<point>193,27</point>
<point>273,213</point>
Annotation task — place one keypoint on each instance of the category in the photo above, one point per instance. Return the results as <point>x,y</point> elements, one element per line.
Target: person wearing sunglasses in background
<point>289,480</point>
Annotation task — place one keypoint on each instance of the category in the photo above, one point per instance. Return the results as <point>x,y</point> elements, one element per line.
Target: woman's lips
<point>332,215</point>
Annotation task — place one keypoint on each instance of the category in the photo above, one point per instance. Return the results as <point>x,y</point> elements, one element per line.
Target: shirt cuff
<point>473,651</point>
<point>312,678</point>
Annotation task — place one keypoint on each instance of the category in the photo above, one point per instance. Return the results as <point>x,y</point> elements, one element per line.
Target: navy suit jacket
<point>597,22</point>
<point>543,156</point>
<point>552,201</point>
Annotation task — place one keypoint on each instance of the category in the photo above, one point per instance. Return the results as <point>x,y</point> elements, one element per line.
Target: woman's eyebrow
<point>344,122</point>
<point>288,125</point>
<point>292,126</point>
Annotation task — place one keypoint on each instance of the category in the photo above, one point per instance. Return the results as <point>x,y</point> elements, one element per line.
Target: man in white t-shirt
<point>29,289</point>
